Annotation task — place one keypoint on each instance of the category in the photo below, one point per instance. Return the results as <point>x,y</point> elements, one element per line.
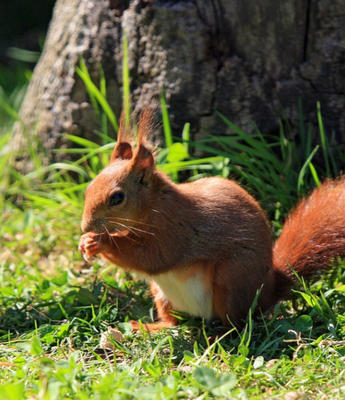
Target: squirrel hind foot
<point>152,327</point>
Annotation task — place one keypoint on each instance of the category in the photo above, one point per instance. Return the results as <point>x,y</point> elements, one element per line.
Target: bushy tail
<point>313,236</point>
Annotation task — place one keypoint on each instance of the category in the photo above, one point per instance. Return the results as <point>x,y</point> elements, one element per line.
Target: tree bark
<point>247,60</point>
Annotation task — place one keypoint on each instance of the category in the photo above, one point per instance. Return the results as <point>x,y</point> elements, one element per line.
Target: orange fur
<point>145,126</point>
<point>205,245</point>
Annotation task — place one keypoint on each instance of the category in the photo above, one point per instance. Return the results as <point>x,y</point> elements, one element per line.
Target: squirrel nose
<point>92,224</point>
<point>86,225</point>
<point>83,227</point>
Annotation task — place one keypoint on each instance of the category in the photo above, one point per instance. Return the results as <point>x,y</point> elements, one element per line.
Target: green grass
<point>54,306</point>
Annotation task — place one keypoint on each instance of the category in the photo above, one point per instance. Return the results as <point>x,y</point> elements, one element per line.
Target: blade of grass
<point>300,181</point>
<point>103,90</point>
<point>166,121</point>
<point>167,130</point>
<point>181,165</point>
<point>323,138</point>
<point>314,175</point>
<point>126,82</point>
<point>186,136</point>
<point>90,92</point>
<point>87,144</point>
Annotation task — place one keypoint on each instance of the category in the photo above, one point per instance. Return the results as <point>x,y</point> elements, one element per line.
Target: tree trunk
<point>247,60</point>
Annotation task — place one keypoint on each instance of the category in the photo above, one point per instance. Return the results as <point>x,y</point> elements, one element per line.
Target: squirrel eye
<point>116,198</point>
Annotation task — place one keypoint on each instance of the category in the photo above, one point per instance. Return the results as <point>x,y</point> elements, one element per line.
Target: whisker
<point>131,239</point>
<point>141,230</point>
<point>114,241</point>
<point>132,227</point>
<point>118,230</point>
<point>137,222</point>
<point>125,226</point>
<point>109,236</point>
<point>99,240</point>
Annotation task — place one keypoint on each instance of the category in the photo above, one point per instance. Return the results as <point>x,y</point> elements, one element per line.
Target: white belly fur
<point>188,295</point>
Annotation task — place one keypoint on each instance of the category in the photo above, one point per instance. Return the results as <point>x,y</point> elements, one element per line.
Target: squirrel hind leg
<point>225,311</point>
<point>163,307</point>
<point>234,293</point>
<point>165,318</point>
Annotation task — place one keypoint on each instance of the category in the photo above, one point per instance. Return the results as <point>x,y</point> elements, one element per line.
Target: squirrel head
<point>120,195</point>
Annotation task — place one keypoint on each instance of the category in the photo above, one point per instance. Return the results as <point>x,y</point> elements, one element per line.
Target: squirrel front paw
<point>89,245</point>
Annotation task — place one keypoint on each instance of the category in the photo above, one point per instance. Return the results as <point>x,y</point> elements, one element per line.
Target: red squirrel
<point>206,245</point>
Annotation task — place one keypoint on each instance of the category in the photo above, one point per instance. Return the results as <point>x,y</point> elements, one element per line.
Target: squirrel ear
<point>143,162</point>
<point>122,150</point>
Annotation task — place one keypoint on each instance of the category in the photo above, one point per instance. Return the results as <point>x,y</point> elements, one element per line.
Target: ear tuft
<point>124,133</point>
<point>143,161</point>
<point>123,148</point>
<point>145,125</point>
<point>142,158</point>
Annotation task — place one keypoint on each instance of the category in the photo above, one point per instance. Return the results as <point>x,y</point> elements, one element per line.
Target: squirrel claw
<point>85,257</point>
<point>88,247</point>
